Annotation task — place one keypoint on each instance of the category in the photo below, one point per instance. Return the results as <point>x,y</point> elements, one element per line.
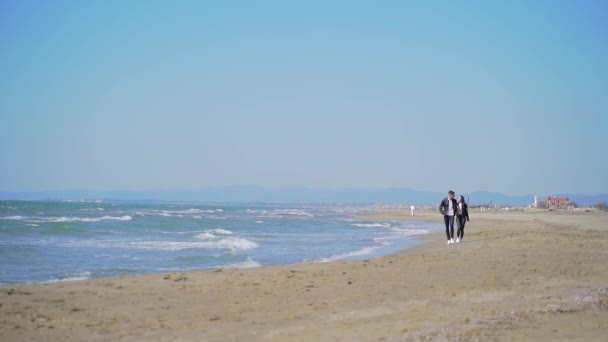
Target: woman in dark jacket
<point>462,216</point>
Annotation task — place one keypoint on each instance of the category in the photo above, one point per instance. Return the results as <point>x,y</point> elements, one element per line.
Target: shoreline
<point>350,255</point>
<point>516,276</point>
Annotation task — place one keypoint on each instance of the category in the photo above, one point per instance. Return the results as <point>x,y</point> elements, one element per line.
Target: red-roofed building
<point>557,202</point>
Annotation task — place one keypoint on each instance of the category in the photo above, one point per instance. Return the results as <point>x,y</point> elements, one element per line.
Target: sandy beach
<point>518,276</point>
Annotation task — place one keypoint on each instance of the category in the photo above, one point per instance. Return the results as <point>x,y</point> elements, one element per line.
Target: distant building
<point>557,202</point>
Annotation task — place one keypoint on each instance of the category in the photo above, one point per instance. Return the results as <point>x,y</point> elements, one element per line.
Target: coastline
<point>517,276</point>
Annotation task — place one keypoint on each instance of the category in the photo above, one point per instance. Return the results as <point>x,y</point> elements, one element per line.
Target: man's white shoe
<point>452,241</point>
<point>449,242</point>
<point>457,240</point>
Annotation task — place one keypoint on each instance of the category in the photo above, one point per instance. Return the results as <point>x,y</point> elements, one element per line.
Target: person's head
<point>461,199</point>
<point>451,194</point>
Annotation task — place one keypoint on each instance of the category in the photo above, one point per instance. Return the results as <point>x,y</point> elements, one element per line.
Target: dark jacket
<point>444,206</point>
<point>464,212</point>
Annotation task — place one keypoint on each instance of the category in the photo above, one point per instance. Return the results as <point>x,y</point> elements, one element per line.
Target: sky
<point>508,96</point>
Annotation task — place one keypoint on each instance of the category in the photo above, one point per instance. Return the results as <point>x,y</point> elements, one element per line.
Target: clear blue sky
<point>507,96</point>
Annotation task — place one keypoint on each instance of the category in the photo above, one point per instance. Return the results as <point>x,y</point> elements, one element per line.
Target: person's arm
<point>467,211</point>
<point>441,207</point>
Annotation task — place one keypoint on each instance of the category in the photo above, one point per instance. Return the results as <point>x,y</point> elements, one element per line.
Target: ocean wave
<point>371,225</point>
<point>294,212</point>
<point>181,232</point>
<point>256,211</point>
<point>249,263</point>
<point>32,225</point>
<point>279,213</point>
<point>205,236</point>
<point>220,231</point>
<point>212,233</point>
<point>231,243</point>
<point>187,211</point>
<point>15,217</point>
<point>191,211</point>
<point>69,219</point>
<point>220,238</point>
<point>83,219</point>
<point>363,251</point>
<point>226,243</point>
<point>70,277</point>
<point>91,209</point>
<point>234,244</point>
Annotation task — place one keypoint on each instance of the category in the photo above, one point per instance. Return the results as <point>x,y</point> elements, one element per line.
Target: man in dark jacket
<point>448,209</point>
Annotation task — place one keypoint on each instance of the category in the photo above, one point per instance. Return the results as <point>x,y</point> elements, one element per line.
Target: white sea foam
<point>249,263</point>
<point>363,251</point>
<point>371,225</point>
<point>71,277</point>
<point>255,211</point>
<point>219,238</point>
<point>220,231</point>
<point>164,245</point>
<point>227,243</point>
<point>181,232</point>
<point>205,236</point>
<point>294,212</point>
<point>186,211</point>
<point>259,222</point>
<point>213,233</point>
<point>231,243</point>
<point>191,211</point>
<point>70,219</point>
<point>83,219</point>
<point>16,217</point>
<point>32,225</point>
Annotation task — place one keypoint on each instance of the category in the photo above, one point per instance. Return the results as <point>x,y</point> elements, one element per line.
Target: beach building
<point>557,202</point>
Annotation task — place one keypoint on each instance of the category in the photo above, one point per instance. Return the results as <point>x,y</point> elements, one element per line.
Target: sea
<point>54,241</point>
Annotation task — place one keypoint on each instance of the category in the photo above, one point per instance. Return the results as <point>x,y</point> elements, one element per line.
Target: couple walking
<point>450,209</point>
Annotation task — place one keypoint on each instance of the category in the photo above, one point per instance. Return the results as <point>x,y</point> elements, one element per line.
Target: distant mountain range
<point>254,194</point>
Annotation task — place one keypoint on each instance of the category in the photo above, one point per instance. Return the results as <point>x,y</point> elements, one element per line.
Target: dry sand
<point>517,277</point>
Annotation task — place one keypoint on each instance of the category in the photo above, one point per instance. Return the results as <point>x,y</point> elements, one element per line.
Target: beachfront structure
<point>557,202</point>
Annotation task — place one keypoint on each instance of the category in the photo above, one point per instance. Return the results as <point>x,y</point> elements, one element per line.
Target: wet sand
<point>518,276</point>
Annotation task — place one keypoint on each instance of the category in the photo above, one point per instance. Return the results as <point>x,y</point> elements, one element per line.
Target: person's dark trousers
<point>461,222</point>
<point>449,226</point>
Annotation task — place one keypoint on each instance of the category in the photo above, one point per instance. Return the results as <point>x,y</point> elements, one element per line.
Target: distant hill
<point>254,194</point>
